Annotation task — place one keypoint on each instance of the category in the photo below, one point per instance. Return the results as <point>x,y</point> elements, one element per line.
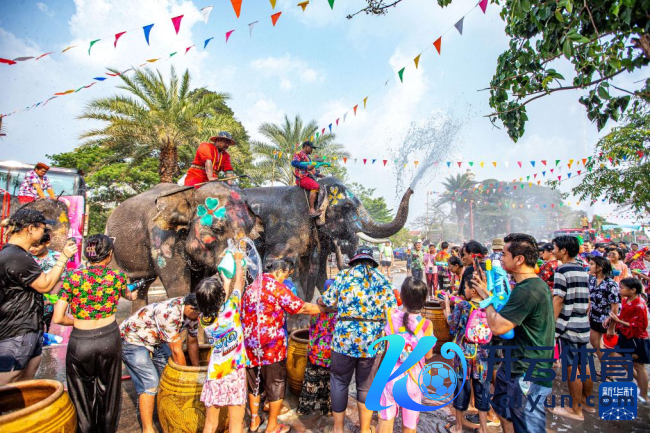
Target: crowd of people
<point>563,294</point>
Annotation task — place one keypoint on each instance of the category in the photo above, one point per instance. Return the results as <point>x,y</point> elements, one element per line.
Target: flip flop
<point>448,427</point>
<point>262,421</point>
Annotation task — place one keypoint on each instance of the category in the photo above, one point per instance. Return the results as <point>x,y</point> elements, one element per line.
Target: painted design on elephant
<point>161,251</point>
<point>210,211</point>
<point>335,195</point>
<point>63,218</point>
<point>349,194</point>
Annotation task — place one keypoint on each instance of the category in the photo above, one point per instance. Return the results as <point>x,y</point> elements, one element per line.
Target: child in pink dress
<point>412,326</point>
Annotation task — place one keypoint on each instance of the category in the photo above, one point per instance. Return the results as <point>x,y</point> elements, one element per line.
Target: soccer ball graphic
<point>437,381</point>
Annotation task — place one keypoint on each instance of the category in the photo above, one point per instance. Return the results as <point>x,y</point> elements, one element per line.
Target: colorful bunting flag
<point>519,163</point>
<point>437,44</point>
<point>481,164</point>
<point>275,17</point>
<point>365,101</point>
<point>364,161</point>
<point>401,74</point>
<point>92,43</point>
<point>250,27</point>
<point>337,122</point>
<point>355,109</point>
<point>532,163</point>
<point>459,25</point>
<point>273,3</point>
<point>228,35</point>
<point>557,161</point>
<point>448,163</point>
<point>331,2</point>
<point>22,59</point>
<point>43,55</point>
<point>155,60</point>
<point>99,78</point>
<point>172,54</point>
<point>236,5</point>
<point>176,21</point>
<point>494,164</point>
<point>205,44</point>
<point>330,128</point>
<point>69,48</point>
<point>188,48</point>
<point>147,30</point>
<point>417,60</point>
<point>303,5</point>
<point>206,13</point>
<point>483,4</point>
<point>385,161</point>
<point>345,116</point>
<point>117,37</point>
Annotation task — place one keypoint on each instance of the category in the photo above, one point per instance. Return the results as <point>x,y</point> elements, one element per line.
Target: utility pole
<point>471,219</point>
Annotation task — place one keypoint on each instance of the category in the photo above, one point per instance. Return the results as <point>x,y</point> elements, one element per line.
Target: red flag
<point>559,178</point>
<point>275,18</point>
<point>438,42</point>
<point>519,162</point>
<point>385,161</point>
<point>459,163</point>
<point>118,36</point>
<point>535,176</point>
<point>355,109</point>
<point>177,23</point>
<point>228,35</point>
<point>364,161</point>
<point>7,61</point>
<point>188,48</point>
<point>337,122</point>
<point>345,160</point>
<point>640,153</point>
<point>43,55</point>
<point>579,172</point>
<point>236,5</point>
<point>552,170</point>
<point>544,161</point>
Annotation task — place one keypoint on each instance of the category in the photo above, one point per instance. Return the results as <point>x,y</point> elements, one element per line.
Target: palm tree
<point>271,162</point>
<point>458,195</point>
<point>158,118</point>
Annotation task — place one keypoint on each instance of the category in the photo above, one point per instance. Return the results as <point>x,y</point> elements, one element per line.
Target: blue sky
<point>317,64</point>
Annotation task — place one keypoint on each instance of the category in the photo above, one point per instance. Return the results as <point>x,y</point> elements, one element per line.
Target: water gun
<point>538,265</point>
<point>138,284</point>
<point>455,299</point>
<point>51,339</point>
<point>398,297</point>
<point>640,253</point>
<point>443,264</point>
<point>318,165</point>
<point>51,298</point>
<point>496,283</point>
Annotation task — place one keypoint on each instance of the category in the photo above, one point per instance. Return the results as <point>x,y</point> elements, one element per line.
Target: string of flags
<point>176,23</point>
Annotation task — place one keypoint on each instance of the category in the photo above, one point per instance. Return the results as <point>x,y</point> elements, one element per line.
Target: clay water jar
<point>436,315</point>
<point>180,408</point>
<point>36,406</point>
<point>297,359</point>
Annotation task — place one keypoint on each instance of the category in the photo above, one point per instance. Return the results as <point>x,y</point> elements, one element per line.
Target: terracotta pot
<point>180,408</point>
<point>297,359</point>
<point>36,405</point>
<point>440,327</point>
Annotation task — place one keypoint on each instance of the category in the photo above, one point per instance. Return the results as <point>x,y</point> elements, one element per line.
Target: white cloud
<point>261,110</point>
<point>45,9</point>
<point>288,70</point>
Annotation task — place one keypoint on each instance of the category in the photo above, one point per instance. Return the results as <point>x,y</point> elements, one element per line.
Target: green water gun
<point>319,164</point>
<point>51,298</point>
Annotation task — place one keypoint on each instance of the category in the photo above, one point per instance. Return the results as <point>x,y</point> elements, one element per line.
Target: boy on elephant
<point>306,174</point>
<point>210,159</point>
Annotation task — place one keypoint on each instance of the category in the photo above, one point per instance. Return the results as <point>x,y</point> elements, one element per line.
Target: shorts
<point>410,418</point>
<point>386,263</point>
<point>227,391</point>
<point>641,348</point>
<point>22,199</point>
<point>144,366</point>
<point>16,352</point>
<point>597,326</point>
<point>308,183</point>
<point>572,355</point>
<point>342,369</point>
<point>464,395</point>
<point>273,380</point>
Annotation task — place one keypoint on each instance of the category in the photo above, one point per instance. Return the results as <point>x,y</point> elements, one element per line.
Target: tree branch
<point>374,8</point>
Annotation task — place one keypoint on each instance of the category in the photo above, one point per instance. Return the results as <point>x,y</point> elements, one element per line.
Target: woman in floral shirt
<point>46,259</point>
<point>35,184</point>
<point>605,297</point>
<point>94,357</point>
<point>265,313</point>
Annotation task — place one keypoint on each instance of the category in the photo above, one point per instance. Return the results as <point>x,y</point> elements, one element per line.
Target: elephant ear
<point>175,209</point>
<point>256,211</point>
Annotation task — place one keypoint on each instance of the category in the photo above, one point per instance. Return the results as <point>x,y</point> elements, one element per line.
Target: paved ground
<point>53,367</point>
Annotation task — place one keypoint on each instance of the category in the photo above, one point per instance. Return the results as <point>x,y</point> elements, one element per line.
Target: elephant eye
<point>347,206</point>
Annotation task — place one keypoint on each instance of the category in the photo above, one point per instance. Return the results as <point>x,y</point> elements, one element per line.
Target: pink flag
<point>177,23</point>
<point>483,4</point>
<point>228,35</point>
<point>118,36</point>
<point>188,48</point>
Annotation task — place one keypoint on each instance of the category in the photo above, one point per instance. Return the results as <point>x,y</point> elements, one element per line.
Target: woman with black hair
<point>94,357</point>
<point>470,251</point>
<point>604,296</point>
<point>615,257</point>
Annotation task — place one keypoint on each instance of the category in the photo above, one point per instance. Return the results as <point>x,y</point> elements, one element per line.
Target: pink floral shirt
<point>27,187</point>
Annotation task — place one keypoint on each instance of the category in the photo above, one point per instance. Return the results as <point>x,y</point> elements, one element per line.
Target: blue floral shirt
<point>361,293</point>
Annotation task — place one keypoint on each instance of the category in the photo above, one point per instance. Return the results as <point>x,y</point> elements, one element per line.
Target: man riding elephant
<point>211,158</point>
<point>306,174</point>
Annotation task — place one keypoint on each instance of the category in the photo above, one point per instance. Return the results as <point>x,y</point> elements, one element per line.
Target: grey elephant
<point>290,234</point>
<point>178,234</point>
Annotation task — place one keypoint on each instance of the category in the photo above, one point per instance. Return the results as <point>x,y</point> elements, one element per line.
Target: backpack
<point>477,330</point>
<point>411,341</point>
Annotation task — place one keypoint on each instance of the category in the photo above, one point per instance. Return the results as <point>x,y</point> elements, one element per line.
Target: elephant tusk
<point>365,237</point>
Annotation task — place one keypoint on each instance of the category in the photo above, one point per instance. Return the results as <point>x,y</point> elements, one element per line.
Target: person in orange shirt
<point>210,159</point>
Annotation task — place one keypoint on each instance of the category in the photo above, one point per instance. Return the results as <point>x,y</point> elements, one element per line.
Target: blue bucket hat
<point>363,253</point>
<point>224,135</point>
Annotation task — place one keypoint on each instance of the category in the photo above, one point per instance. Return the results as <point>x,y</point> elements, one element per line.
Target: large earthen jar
<point>436,315</point>
<point>36,406</point>
<point>297,359</point>
<point>180,409</point>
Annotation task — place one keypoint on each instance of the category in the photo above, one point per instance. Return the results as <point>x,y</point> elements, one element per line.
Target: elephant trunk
<point>377,230</point>
<point>339,257</point>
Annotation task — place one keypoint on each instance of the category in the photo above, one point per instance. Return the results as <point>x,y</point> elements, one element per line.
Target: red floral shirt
<point>636,314</point>
<point>321,330</point>
<point>547,272</point>
<point>300,173</point>
<point>93,293</point>
<point>266,319</point>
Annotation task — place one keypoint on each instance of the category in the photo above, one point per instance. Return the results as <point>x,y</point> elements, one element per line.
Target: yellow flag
<point>417,61</point>
<point>365,100</point>
<point>482,163</point>
<point>303,5</point>
<point>273,4</point>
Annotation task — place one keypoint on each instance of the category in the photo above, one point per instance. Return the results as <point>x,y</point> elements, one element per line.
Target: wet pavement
<point>53,367</point>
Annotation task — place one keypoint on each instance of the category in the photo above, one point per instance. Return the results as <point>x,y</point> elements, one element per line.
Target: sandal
<point>448,427</point>
<point>262,421</point>
<point>281,429</point>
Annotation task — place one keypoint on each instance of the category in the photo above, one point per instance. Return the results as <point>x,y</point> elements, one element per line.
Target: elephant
<point>290,234</point>
<point>52,209</point>
<point>178,234</point>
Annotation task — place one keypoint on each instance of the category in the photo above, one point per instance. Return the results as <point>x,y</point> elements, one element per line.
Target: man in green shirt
<point>529,311</point>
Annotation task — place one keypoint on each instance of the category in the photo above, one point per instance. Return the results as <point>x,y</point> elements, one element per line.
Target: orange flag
<point>437,44</point>
<point>303,5</point>
<point>236,5</point>
<point>355,109</point>
<point>494,164</point>
<point>417,61</point>
<point>275,18</point>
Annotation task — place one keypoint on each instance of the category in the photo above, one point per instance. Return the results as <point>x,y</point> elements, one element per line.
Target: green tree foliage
<point>402,238</point>
<point>160,119</point>
<point>284,138</point>
<point>625,182</point>
<point>376,206</point>
<point>601,39</point>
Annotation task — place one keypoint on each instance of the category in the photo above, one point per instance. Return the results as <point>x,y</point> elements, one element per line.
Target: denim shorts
<point>572,355</point>
<point>145,367</point>
<point>464,394</point>
<point>16,352</point>
<point>519,409</point>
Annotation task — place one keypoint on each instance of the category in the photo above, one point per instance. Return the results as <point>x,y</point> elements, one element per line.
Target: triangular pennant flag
<point>345,116</point>
<point>364,161</point>
<point>535,176</point>
<point>437,44</point>
<point>401,74</point>
<point>471,164</point>
<point>459,25</point>
<point>552,170</point>
<point>448,163</point>
<point>43,55</point>
<point>330,128</point>
<point>584,161</point>
<point>373,161</point>
<point>331,2</point>
<point>236,5</point>
<point>416,163</point>
<point>228,35</point>
<point>365,101</point>
<point>538,182</point>
<point>579,172</point>
<point>557,161</point>
<point>206,13</point>
<point>303,5</point>
<point>481,164</point>
<point>273,3</point>
<point>275,17</point>
<point>177,23</point>
<point>323,131</point>
<point>569,174</point>
<point>459,163</point>
<point>385,161</point>
<point>559,178</point>
<point>69,48</point>
<point>519,163</point>
<point>345,160</point>
<point>152,60</point>
<point>205,44</point>
<point>532,163</point>
<point>494,164</point>
<point>92,43</point>
<point>117,37</point>
<point>147,30</point>
<point>417,61</point>
<point>355,109</point>
<point>250,27</point>
<point>483,4</point>
<point>172,54</point>
<point>506,163</point>
<point>569,165</point>
<point>22,59</point>
<point>188,48</point>
<point>337,122</point>
<point>317,134</point>
<point>544,161</point>
<point>99,78</point>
